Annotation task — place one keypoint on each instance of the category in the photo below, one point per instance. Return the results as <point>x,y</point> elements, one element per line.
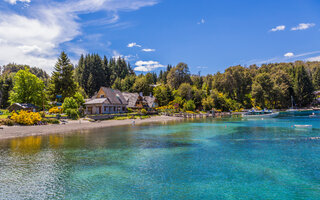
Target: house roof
<point>96,101</point>
<point>22,106</point>
<point>150,100</point>
<point>131,98</point>
<point>113,97</point>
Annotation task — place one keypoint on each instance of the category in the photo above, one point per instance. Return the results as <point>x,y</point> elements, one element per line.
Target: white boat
<point>260,114</point>
<point>303,126</point>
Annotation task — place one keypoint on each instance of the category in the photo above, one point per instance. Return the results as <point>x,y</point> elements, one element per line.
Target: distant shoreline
<point>24,131</point>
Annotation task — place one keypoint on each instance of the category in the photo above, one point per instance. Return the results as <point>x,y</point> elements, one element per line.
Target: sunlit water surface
<point>201,159</point>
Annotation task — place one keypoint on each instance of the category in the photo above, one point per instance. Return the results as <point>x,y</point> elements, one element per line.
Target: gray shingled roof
<point>96,101</point>
<point>114,97</point>
<point>150,100</point>
<point>131,98</point>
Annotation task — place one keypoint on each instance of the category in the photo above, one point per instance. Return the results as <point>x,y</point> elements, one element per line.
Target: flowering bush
<point>26,118</point>
<point>55,110</point>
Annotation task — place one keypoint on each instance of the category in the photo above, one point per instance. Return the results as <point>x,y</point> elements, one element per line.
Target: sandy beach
<point>24,131</point>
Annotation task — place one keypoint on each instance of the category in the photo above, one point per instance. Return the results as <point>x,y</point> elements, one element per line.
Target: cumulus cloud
<point>202,21</point>
<point>147,66</point>
<point>133,44</point>
<point>15,1</point>
<point>289,54</point>
<point>278,28</point>
<point>36,37</point>
<point>303,26</point>
<point>148,50</point>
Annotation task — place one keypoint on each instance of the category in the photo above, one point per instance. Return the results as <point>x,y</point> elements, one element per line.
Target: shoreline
<point>24,131</point>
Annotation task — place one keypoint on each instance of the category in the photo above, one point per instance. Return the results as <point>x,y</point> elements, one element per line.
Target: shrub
<point>70,103</point>
<point>129,110</point>
<point>6,122</point>
<point>189,106</point>
<point>26,118</point>
<point>72,114</point>
<point>55,110</point>
<point>144,112</point>
<point>50,121</point>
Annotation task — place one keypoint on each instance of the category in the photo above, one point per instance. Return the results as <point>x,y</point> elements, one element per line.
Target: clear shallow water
<point>200,159</point>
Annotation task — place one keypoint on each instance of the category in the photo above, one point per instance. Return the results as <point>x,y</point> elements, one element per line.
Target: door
<point>100,110</point>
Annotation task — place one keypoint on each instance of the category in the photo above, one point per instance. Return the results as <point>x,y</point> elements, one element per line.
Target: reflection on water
<point>198,159</point>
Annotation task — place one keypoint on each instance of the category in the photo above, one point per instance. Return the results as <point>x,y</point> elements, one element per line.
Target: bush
<point>6,122</point>
<point>129,110</point>
<point>50,121</point>
<point>26,118</point>
<point>55,110</point>
<point>70,103</point>
<point>144,112</point>
<point>189,106</point>
<point>73,114</point>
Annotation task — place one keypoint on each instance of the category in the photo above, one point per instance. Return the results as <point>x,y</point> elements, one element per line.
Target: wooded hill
<point>267,86</point>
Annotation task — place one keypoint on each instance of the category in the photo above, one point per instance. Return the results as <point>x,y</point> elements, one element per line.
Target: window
<point>102,96</point>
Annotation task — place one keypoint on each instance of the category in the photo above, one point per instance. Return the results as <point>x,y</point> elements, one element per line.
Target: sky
<point>208,35</point>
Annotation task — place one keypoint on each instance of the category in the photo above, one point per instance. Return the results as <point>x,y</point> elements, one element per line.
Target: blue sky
<point>208,35</point>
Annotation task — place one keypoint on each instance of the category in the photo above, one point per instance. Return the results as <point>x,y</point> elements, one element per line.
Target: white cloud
<point>202,21</point>
<point>303,26</point>
<point>15,1</point>
<point>202,67</point>
<point>148,50</point>
<point>35,38</point>
<point>316,58</point>
<point>133,44</point>
<point>147,66</point>
<point>289,54</point>
<point>278,28</point>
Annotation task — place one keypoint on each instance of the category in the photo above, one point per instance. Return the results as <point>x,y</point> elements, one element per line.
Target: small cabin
<point>22,106</point>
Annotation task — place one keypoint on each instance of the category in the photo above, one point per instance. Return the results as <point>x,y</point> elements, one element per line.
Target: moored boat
<point>260,114</point>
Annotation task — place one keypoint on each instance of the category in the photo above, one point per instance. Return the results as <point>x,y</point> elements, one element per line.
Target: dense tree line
<point>268,86</point>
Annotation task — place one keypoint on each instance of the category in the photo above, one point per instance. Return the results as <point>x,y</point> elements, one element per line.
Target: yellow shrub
<point>26,118</point>
<point>55,110</point>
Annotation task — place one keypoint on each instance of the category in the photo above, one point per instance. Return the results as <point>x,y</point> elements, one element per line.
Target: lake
<point>225,158</point>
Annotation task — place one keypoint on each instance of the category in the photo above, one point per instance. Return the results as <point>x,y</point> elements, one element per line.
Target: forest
<point>267,86</point>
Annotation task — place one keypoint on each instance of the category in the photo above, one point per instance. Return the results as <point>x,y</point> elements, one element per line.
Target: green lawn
<point>4,116</point>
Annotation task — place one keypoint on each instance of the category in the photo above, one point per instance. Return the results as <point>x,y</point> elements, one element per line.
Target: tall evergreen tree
<point>303,88</point>
<point>62,80</point>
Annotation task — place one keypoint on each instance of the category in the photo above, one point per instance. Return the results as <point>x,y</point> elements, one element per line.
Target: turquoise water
<point>201,159</point>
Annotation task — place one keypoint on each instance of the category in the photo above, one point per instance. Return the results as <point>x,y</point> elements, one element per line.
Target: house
<point>138,101</point>
<point>135,100</point>
<point>152,102</point>
<point>106,101</point>
<point>22,106</point>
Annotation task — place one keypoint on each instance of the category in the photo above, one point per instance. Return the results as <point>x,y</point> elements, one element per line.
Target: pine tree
<point>303,88</point>
<point>316,78</point>
<point>62,80</point>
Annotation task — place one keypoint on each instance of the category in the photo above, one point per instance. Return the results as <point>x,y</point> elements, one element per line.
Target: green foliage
<point>27,88</point>
<point>93,72</point>
<point>303,88</point>
<point>189,106</point>
<point>208,103</point>
<point>142,84</point>
<point>72,114</point>
<point>79,99</point>
<point>6,122</point>
<point>70,103</point>
<point>163,94</point>
<point>143,111</point>
<point>62,81</point>
<point>178,75</point>
<point>50,121</point>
